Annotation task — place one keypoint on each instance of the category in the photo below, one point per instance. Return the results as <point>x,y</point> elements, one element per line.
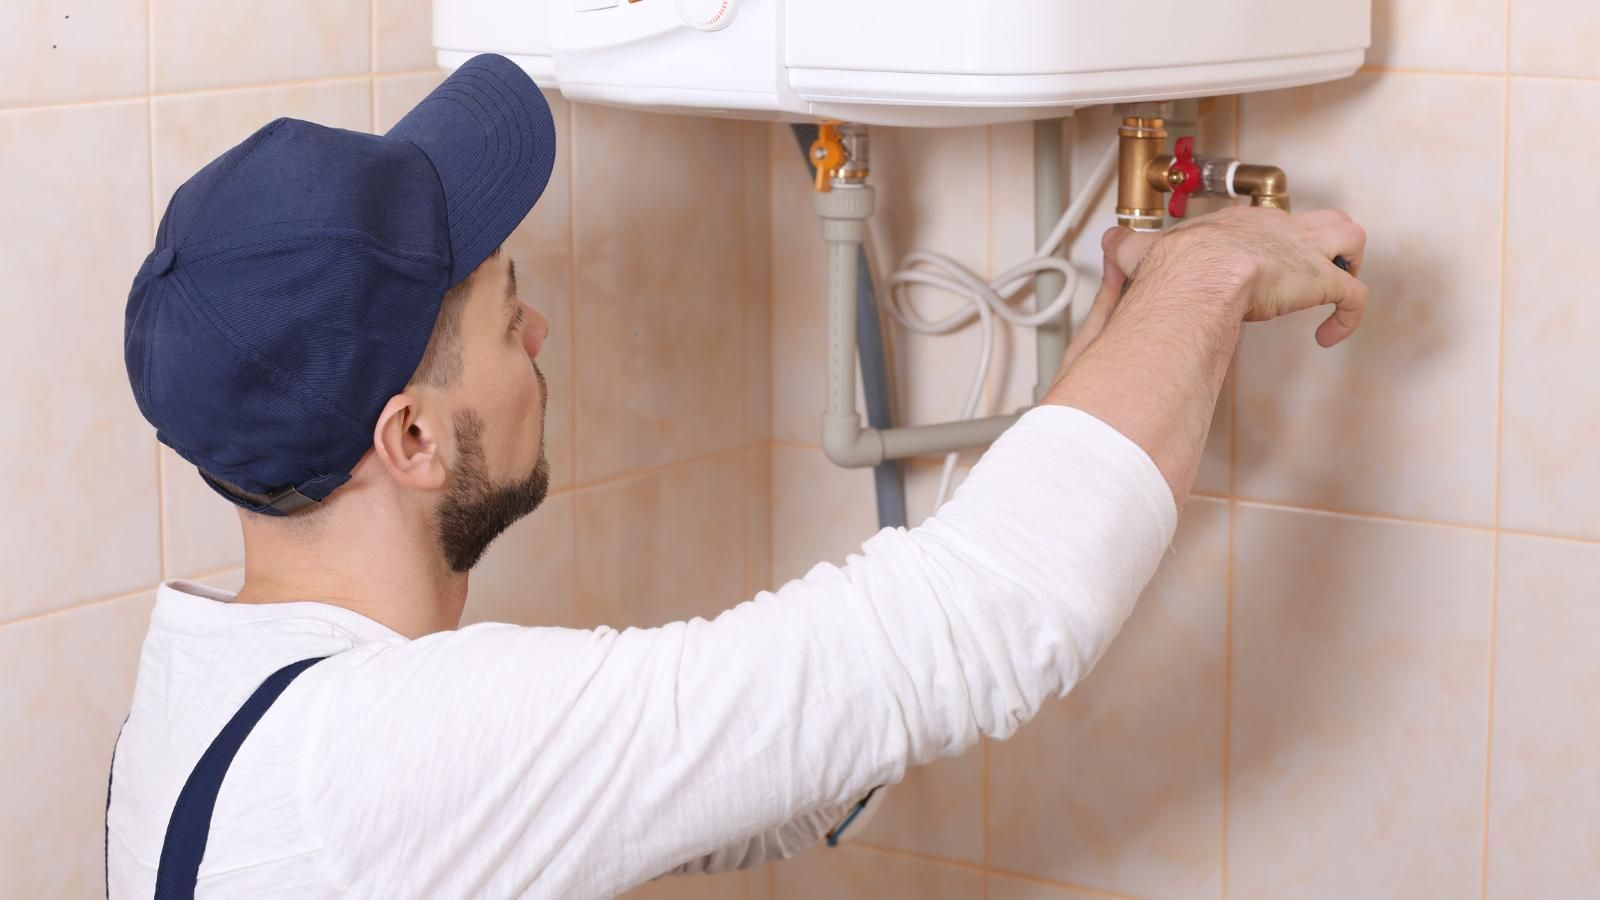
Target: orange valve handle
<point>827,154</point>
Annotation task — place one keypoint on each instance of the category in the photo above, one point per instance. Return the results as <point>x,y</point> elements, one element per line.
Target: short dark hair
<point>441,364</point>
<point>441,367</point>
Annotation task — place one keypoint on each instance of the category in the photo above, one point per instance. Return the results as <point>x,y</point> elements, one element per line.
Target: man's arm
<point>508,760</point>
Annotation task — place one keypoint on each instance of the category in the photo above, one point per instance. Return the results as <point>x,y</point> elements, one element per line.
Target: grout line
<point>1227,693</point>
<point>1488,737</point>
<point>986,870</point>
<point>990,401</point>
<point>572,352</point>
<point>163,540</point>
<point>1076,888</point>
<point>744,360</point>
<point>634,474</point>
<point>1349,514</point>
<point>213,91</point>
<point>149,48</point>
<point>1259,503</point>
<point>372,65</point>
<point>99,601</point>
<point>920,857</point>
<point>1499,462</point>
<point>1563,538</point>
<point>985,796</point>
<point>1233,516</point>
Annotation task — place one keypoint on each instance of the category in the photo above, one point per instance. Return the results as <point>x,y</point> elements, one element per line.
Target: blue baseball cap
<point>296,279</point>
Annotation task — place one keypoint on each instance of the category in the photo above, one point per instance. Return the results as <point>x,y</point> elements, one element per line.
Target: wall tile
<point>1551,405</point>
<point>657,332</point>
<point>191,131</point>
<point>757,300</point>
<point>1360,676</point>
<point>1003,888</point>
<point>660,547</point>
<point>200,44</point>
<point>936,811</point>
<point>1400,418</point>
<point>1545,783</point>
<point>81,479</point>
<point>932,196</point>
<point>542,247</point>
<point>1454,35</point>
<point>852,873</point>
<point>70,679</point>
<point>396,94</point>
<point>1555,37</point>
<point>757,520</point>
<point>731,886</point>
<point>55,52</point>
<point>1139,807</point>
<point>202,529</point>
<point>820,512</point>
<point>405,35</point>
<point>528,575</point>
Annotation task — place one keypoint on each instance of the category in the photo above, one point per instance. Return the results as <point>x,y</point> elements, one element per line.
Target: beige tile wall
<point>105,109</point>
<point>1368,670</point>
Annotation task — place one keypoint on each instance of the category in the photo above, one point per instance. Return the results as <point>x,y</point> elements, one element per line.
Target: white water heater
<point>906,62</point>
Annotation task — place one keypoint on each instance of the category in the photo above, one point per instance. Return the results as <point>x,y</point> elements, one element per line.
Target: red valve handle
<point>1183,163</point>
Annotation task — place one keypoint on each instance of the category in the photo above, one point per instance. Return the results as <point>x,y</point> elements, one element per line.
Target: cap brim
<point>489,133</point>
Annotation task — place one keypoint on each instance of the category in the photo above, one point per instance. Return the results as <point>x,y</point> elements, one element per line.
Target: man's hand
<point>1122,249</point>
<point>1281,263</point>
<point>1151,358</point>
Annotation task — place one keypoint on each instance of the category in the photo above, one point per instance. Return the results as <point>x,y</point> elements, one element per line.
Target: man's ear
<point>410,443</point>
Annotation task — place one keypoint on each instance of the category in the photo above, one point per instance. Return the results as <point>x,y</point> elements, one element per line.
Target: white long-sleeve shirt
<point>502,761</point>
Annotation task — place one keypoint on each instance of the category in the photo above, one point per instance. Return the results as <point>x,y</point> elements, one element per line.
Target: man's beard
<point>475,510</point>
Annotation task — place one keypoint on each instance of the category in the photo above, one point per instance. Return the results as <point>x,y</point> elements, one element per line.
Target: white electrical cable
<point>988,299</point>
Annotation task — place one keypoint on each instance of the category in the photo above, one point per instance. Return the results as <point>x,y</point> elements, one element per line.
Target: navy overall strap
<point>190,825</point>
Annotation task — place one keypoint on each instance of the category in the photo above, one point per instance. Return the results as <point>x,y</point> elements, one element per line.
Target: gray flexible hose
<point>887,478</point>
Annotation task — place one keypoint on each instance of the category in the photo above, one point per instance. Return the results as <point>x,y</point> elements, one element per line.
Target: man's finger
<point>1350,304</point>
<point>1346,239</point>
<point>1126,248</point>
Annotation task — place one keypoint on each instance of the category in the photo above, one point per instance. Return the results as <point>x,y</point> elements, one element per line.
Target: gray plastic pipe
<point>844,212</point>
<point>888,481</point>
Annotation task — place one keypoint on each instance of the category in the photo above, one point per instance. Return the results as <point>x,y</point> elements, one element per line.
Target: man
<point>328,331</point>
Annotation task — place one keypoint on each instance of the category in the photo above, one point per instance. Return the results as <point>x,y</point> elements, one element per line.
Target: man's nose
<point>537,328</point>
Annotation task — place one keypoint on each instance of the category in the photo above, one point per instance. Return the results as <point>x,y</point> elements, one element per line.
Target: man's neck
<point>391,574</point>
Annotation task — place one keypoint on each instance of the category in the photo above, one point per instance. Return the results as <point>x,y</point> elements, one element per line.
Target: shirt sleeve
<point>499,760</point>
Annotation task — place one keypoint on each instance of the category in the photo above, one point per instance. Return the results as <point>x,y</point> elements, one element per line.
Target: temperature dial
<point>707,15</point>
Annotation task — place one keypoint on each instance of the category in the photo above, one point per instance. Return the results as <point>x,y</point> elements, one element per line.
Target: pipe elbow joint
<point>1265,185</point>
<point>848,444</point>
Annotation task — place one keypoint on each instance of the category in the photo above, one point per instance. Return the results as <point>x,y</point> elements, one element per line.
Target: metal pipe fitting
<point>1142,173</point>
<point>1264,185</point>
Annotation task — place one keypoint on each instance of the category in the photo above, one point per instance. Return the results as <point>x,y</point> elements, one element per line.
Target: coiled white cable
<point>988,299</point>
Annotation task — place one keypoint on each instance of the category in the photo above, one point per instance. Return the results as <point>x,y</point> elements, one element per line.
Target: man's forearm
<point>1155,372</point>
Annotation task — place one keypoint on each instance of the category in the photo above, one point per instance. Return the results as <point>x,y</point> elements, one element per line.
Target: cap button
<point>162,262</point>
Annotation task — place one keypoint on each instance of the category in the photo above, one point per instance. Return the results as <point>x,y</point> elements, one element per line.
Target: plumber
<point>328,329</point>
